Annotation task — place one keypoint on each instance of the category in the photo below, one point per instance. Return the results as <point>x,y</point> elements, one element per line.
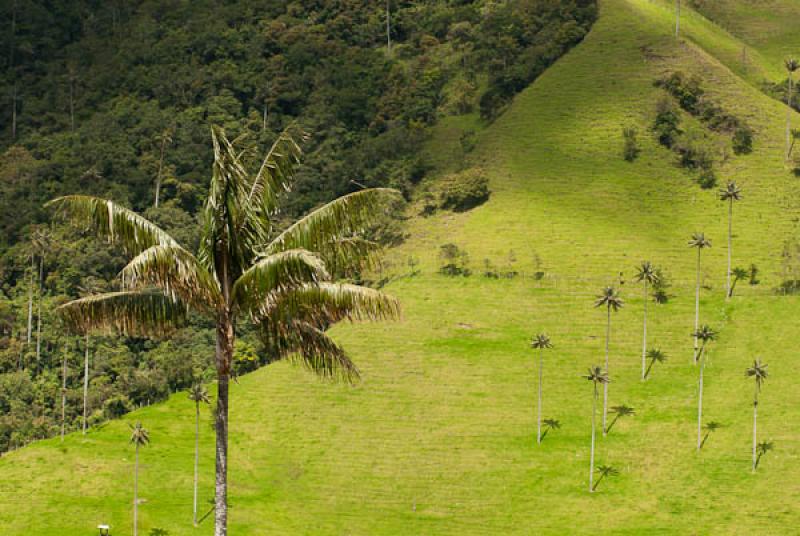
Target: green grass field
<point>438,438</point>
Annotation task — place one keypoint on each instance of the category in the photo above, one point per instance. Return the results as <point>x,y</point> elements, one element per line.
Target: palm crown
<point>700,241</point>
<point>597,375</point>
<point>139,435</point>
<point>705,334</point>
<point>791,64</point>
<point>541,341</point>
<point>646,272</point>
<point>610,298</point>
<point>198,393</point>
<point>655,354</point>
<point>731,192</point>
<point>758,371</point>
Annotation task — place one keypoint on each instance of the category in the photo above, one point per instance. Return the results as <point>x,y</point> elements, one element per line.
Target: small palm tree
<point>738,274</point>
<point>709,427</point>
<point>700,242</point>
<point>140,438</point>
<point>550,424</point>
<point>199,395</point>
<point>759,373</point>
<point>648,275</point>
<point>620,411</point>
<point>612,302</point>
<point>791,65</point>
<point>596,375</point>
<point>763,448</point>
<point>541,342</point>
<point>654,355</point>
<point>604,471</point>
<point>705,334</point>
<point>731,193</point>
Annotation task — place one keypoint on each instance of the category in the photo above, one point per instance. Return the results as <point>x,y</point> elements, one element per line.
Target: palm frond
<point>107,219</point>
<point>177,273</point>
<point>541,341</point>
<point>277,170</point>
<point>131,313</point>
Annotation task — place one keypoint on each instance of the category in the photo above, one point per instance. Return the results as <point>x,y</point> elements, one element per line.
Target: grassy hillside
<point>439,436</point>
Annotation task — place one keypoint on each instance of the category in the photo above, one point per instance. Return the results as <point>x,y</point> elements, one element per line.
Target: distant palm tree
<point>139,437</point>
<point>709,427</point>
<point>164,138</point>
<point>611,300</point>
<point>654,355</point>
<point>541,342</point>
<point>705,334</point>
<point>791,65</point>
<point>620,411</point>
<point>550,424</point>
<point>763,448</point>
<point>700,242</point>
<point>730,193</point>
<point>596,375</point>
<point>85,381</point>
<point>677,17</point>
<point>648,275</point>
<point>759,373</point>
<point>604,471</point>
<point>197,394</point>
<point>738,273</point>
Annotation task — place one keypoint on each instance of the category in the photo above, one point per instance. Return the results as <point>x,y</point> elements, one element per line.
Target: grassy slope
<point>438,439</point>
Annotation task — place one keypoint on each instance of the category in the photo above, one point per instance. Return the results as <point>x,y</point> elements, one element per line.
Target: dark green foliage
<point>630,149</point>
<point>660,287</point>
<point>666,125</point>
<point>743,140</point>
<point>464,190</point>
<point>454,261</point>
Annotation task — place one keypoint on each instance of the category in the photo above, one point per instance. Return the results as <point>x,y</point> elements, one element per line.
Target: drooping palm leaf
<point>276,173</point>
<point>111,221</point>
<point>129,312</point>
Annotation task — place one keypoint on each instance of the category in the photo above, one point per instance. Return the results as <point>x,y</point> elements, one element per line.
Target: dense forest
<point>116,99</point>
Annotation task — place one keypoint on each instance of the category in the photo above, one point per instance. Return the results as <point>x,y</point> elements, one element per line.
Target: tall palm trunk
<point>594,425</point>
<point>700,401</point>
<point>63,395</point>
<point>644,336</point>
<point>39,311</point>
<point>196,458</point>
<point>30,302</point>
<point>539,407</point>
<point>729,288</point>
<point>136,493</point>
<point>388,29</point>
<point>755,423</point>
<point>160,167</point>
<point>605,385</point>
<point>677,17</point>
<point>696,309</point>
<point>789,117</point>
<point>85,381</point>
<point>225,338</point>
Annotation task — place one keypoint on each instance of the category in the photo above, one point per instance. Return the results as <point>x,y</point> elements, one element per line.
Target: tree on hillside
<point>41,244</point>
<point>759,373</point>
<point>199,395</point>
<point>85,382</point>
<point>541,342</point>
<point>604,471</point>
<point>700,242</point>
<point>595,375</point>
<point>620,411</point>
<point>246,269</point>
<point>705,334</point>
<point>648,275</point>
<point>612,302</point>
<point>731,193</point>
<point>654,355</point>
<point>791,65</point>
<point>164,138</point>
<point>139,437</point>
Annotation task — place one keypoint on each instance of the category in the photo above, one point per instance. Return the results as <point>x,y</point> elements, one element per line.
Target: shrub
<point>743,140</point>
<point>707,179</point>
<point>631,145</point>
<point>464,190</point>
<point>666,123</point>
<point>455,261</point>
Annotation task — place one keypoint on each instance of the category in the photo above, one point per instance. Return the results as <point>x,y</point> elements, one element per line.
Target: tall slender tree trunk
<point>755,426</point>
<point>696,309</point>
<point>644,335</point>
<point>539,406</point>
<point>136,493</point>
<point>196,459</point>
<point>728,287</point>
<point>85,381</point>
<point>30,301</point>
<point>71,104</point>
<point>594,427</point>
<point>700,401</point>
<point>63,395</point>
<point>160,167</point>
<point>14,111</point>
<point>388,28</point>
<point>677,17</point>
<point>225,338</point>
<point>39,311</point>
<point>789,117</point>
<point>605,385</point>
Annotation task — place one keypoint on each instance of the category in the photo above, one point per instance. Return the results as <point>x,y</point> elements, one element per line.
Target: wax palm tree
<point>596,375</point>
<point>677,17</point>
<point>199,395</point>
<point>246,269</point>
<point>738,273</point>
<point>648,275</point>
<point>709,427</point>
<point>654,355</point>
<point>759,373</point>
<point>791,65</point>
<point>705,334</point>
<point>140,438</point>
<point>763,448</point>
<point>604,471</point>
<point>620,411</point>
<point>731,193</point>
<point>541,342</point>
<point>612,302</point>
<point>550,424</point>
<point>700,242</point>
<point>164,139</point>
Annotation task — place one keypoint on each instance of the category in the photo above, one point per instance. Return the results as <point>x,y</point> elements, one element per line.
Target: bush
<point>455,261</point>
<point>631,146</point>
<point>666,123</point>
<point>743,140</point>
<point>464,190</point>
